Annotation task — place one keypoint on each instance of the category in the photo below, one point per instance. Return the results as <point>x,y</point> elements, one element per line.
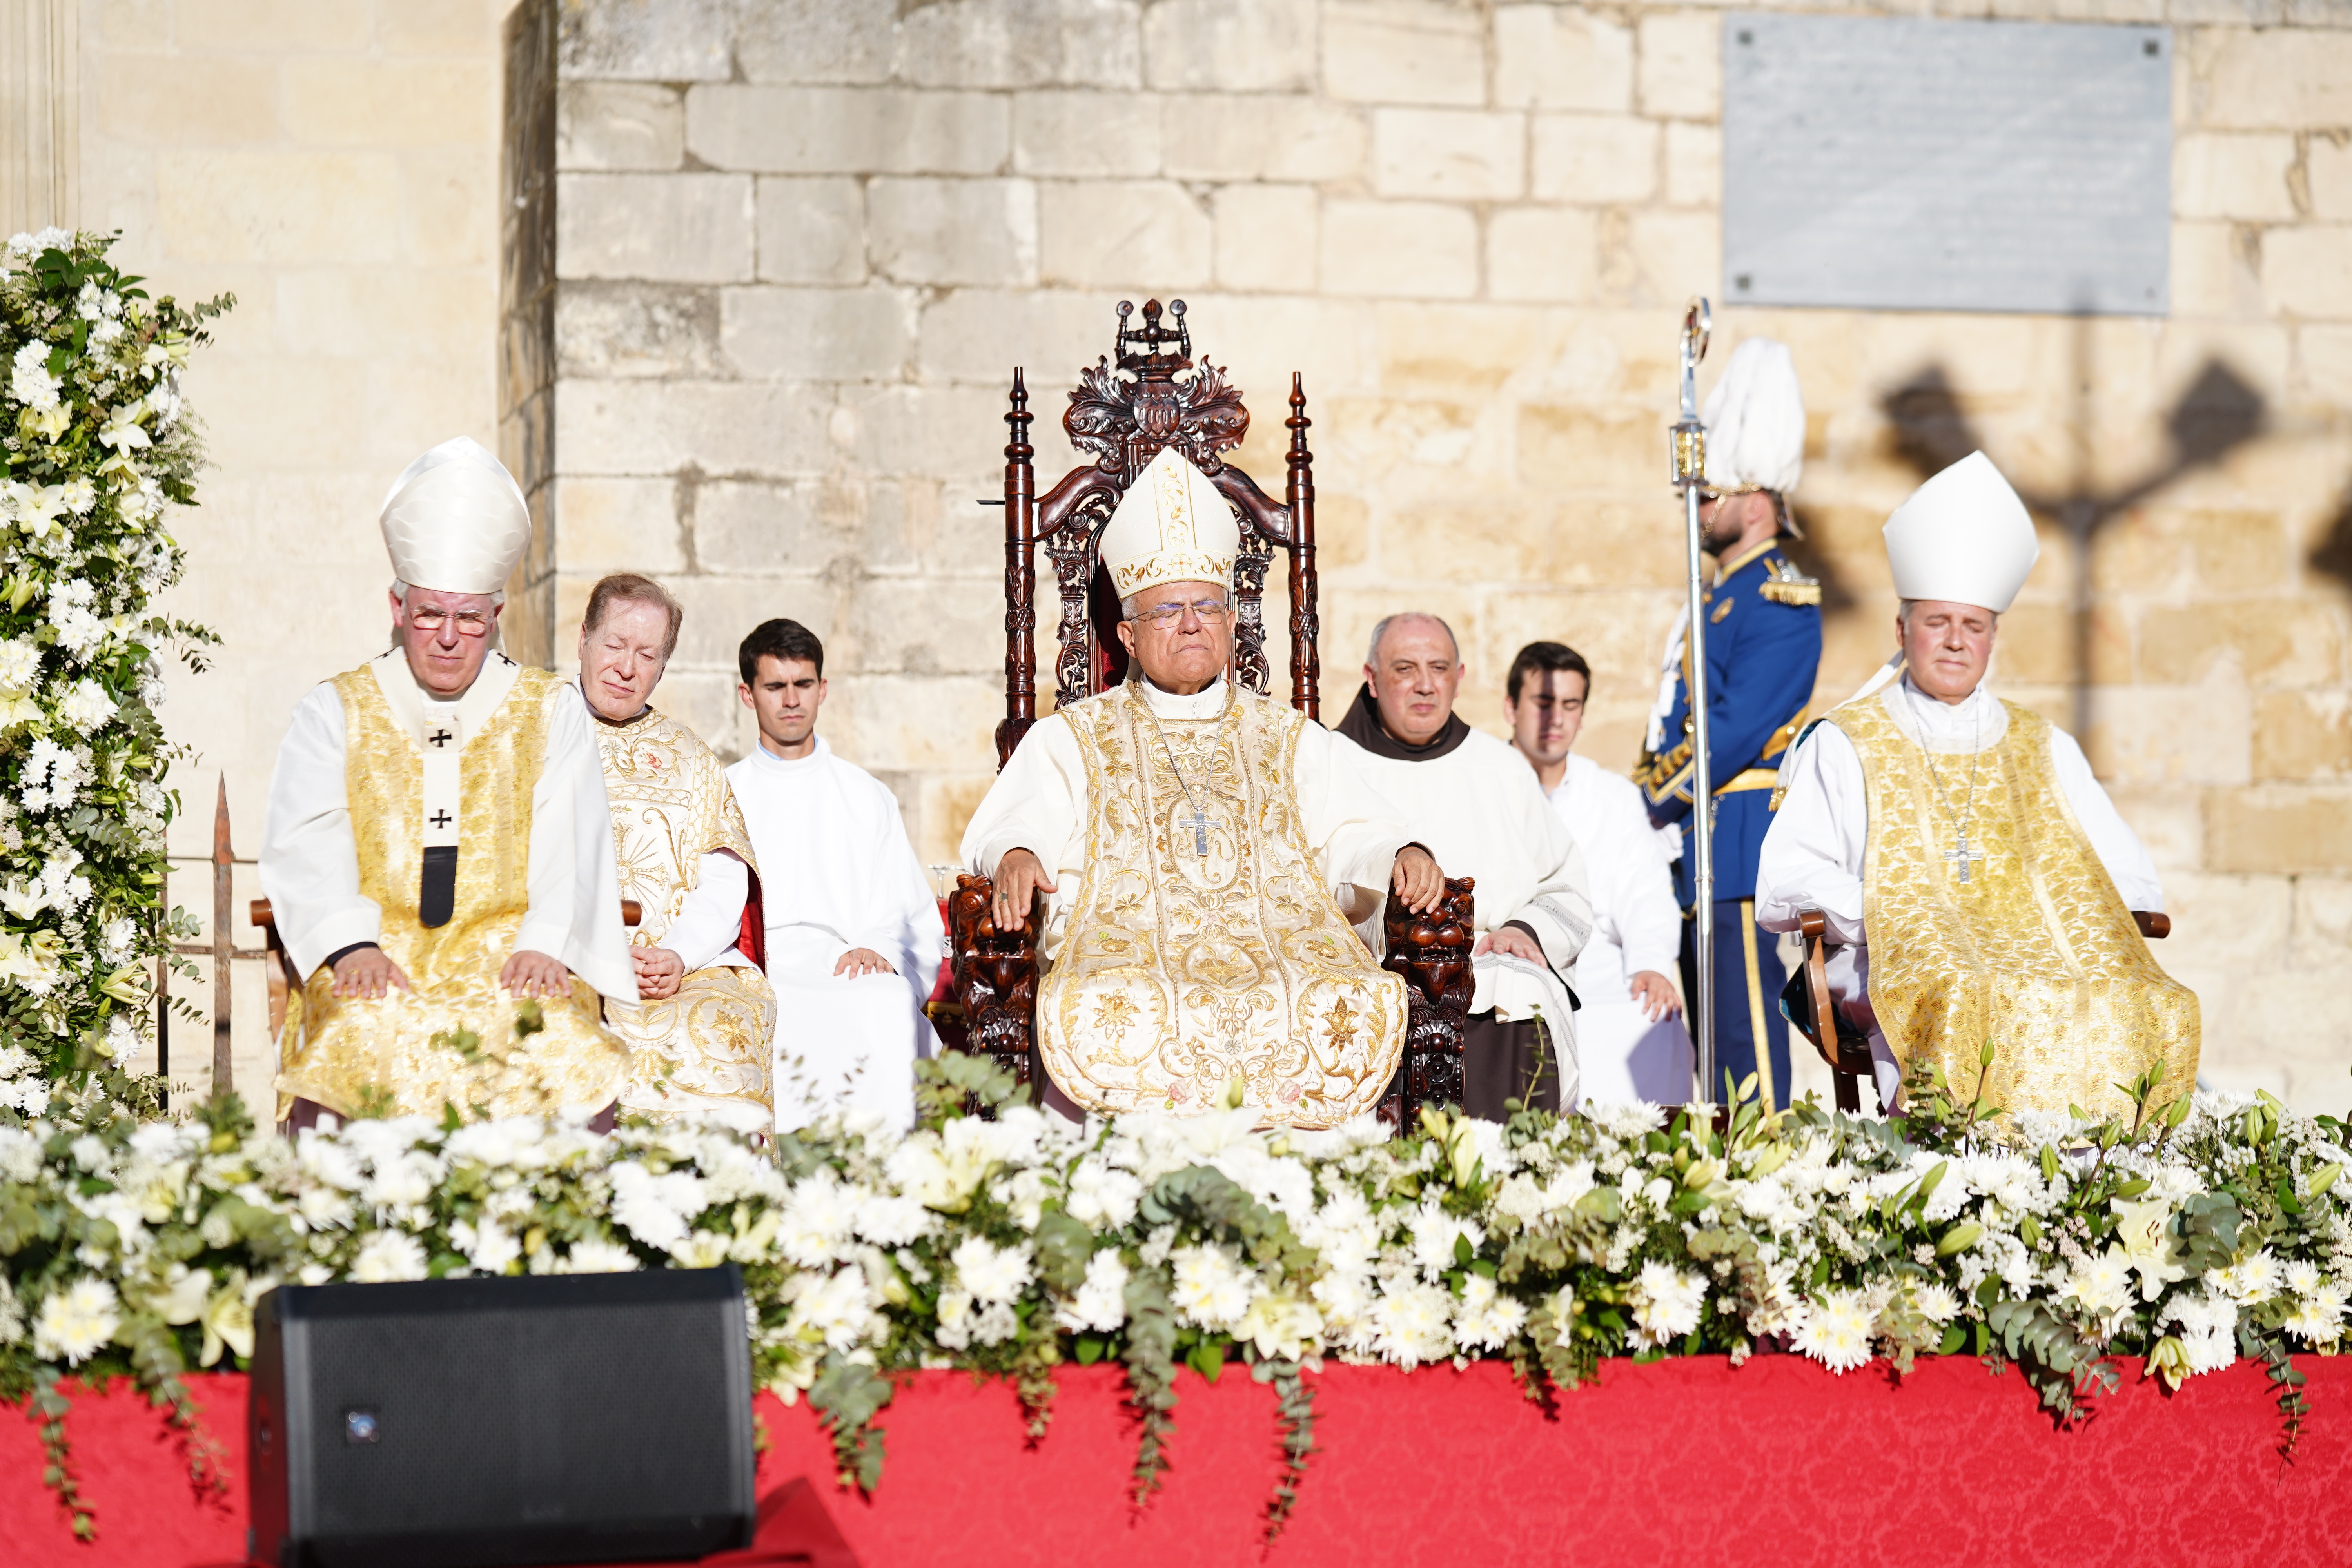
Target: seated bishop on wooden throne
<point>1204,854</point>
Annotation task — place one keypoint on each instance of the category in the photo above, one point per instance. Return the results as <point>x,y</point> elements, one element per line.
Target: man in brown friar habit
<point>439,851</point>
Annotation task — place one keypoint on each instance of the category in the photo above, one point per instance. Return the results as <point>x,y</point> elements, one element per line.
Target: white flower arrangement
<point>1009,1246</point>
<point>94,442</point>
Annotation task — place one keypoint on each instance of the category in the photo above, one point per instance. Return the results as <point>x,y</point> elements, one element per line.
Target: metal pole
<point>223,947</point>
<point>1689,476</point>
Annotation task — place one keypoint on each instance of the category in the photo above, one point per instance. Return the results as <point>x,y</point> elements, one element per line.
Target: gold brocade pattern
<point>347,1053</point>
<point>1178,971</point>
<point>708,1045</point>
<point>2034,951</point>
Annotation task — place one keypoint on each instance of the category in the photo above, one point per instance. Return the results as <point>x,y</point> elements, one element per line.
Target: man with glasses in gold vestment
<point>438,853</point>
<point>1977,881</point>
<point>1205,852</point>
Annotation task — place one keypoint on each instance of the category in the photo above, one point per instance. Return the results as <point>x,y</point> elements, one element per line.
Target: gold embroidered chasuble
<point>708,1045</point>
<point>1178,970</point>
<point>2033,950</point>
<point>351,1054</point>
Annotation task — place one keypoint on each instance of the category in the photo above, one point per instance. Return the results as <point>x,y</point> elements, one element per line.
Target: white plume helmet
<point>1964,536</point>
<point>456,521</point>
<point>1755,421</point>
<point>1172,526</point>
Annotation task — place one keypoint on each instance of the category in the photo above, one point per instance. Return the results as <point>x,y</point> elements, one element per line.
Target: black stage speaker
<point>450,1423</point>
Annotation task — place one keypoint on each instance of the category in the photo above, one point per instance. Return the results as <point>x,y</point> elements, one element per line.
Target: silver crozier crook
<point>1689,476</point>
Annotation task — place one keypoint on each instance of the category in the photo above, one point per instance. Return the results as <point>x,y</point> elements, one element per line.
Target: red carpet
<point>1778,1464</point>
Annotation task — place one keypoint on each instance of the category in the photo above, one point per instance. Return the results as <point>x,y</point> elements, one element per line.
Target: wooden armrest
<point>992,984</point>
<point>2154,925</point>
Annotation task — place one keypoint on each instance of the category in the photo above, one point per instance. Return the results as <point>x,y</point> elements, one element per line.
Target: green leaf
<point>1089,1349</point>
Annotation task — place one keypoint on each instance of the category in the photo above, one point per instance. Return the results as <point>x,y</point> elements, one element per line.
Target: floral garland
<point>94,442</point>
<point>1012,1242</point>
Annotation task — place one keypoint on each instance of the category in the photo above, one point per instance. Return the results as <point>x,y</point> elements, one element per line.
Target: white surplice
<point>1623,1053</point>
<point>836,871</point>
<point>1812,856</point>
<point>1039,804</point>
<point>1479,812</point>
<point>309,862</point>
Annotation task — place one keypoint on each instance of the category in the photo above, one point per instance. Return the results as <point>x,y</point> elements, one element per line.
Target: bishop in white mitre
<point>852,926</point>
<point>437,852</point>
<point>1472,803</point>
<point>1977,881</point>
<point>700,1029</point>
<point>1205,853</point>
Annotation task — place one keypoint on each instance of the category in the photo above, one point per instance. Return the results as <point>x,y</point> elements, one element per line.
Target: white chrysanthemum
<point>2318,1316</point>
<point>596,1257</point>
<point>76,1322</point>
<point>85,705</point>
<point>2100,1285</point>
<point>387,1254</point>
<point>1412,1323</point>
<point>992,1273</point>
<point>326,1161</point>
<point>1212,1288</point>
<point>838,1309</point>
<point>20,1154</point>
<point>1102,1195</point>
<point>1666,1303</point>
<point>1486,1318</point>
<point>1835,1330</point>
<point>817,1222</point>
<point>1935,1303</point>
<point>2249,1281</point>
<point>504,1142</point>
<point>888,1220</point>
<point>2299,1276</point>
<point>488,1247</point>
<point>1346,1299</point>
<point>29,381</point>
<point>20,665</point>
<point>656,1209</point>
<point>1623,1122</point>
<point>2209,1329</point>
<point>409,1178</point>
<point>1100,1301</point>
<point>1434,1234</point>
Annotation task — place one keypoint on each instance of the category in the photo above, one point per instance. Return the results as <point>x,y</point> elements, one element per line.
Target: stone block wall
<point>801,247</point>
<point>798,245</point>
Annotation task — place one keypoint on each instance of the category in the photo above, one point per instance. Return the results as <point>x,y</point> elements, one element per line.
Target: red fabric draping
<point>1777,1463</point>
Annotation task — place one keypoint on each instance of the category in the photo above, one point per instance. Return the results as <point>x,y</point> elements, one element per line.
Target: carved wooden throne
<point>1124,414</point>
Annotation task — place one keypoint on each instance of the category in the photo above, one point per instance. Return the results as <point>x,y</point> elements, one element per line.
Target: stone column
<point>40,114</point>
<point>526,316</point>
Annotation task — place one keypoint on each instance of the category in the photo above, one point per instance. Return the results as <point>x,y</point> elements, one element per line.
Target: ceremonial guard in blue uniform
<point>1763,651</point>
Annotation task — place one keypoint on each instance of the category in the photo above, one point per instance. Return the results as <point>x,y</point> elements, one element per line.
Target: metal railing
<point>222,950</point>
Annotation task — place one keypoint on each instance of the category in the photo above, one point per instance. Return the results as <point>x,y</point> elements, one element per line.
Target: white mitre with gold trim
<point>1172,526</point>
<point>1963,537</point>
<point>454,521</point>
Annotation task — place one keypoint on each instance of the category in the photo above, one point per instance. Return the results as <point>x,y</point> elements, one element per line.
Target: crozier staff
<point>1976,879</point>
<point>437,846</point>
<point>1205,851</point>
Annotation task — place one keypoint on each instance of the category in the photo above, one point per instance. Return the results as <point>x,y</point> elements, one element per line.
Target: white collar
<point>472,708</point>
<point>1977,723</point>
<point>767,761</point>
<point>1206,703</point>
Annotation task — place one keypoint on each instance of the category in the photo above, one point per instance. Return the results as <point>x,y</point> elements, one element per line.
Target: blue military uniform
<point>1763,652</point>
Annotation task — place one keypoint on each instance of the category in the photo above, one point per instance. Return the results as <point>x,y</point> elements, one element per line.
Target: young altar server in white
<point>437,846</point>
<point>1472,803</point>
<point>854,933</point>
<point>1978,881</point>
<point>1630,1043</point>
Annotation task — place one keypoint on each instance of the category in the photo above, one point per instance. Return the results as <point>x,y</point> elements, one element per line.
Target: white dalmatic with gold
<point>1211,852</point>
<point>685,858</point>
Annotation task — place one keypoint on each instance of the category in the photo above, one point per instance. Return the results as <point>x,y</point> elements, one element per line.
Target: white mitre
<point>1172,526</point>
<point>456,521</point>
<point>1755,421</point>
<point>1963,537</point>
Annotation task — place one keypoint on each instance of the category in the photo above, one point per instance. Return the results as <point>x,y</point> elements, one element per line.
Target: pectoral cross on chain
<point>1200,835</point>
<point>1962,856</point>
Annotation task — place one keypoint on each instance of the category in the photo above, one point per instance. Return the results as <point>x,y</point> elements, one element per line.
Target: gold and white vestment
<point>675,826</point>
<point>1169,971</point>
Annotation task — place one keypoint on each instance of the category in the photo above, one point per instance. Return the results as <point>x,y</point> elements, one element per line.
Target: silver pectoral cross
<point>1200,835</point>
<point>1963,856</point>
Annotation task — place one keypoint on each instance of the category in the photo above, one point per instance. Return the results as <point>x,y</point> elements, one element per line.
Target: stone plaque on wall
<point>1898,163</point>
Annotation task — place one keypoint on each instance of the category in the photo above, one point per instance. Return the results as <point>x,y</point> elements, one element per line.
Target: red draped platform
<point>1778,1463</point>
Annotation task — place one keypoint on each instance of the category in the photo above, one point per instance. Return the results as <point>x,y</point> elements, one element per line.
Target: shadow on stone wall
<point>2216,412</point>
<point>2332,556</point>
